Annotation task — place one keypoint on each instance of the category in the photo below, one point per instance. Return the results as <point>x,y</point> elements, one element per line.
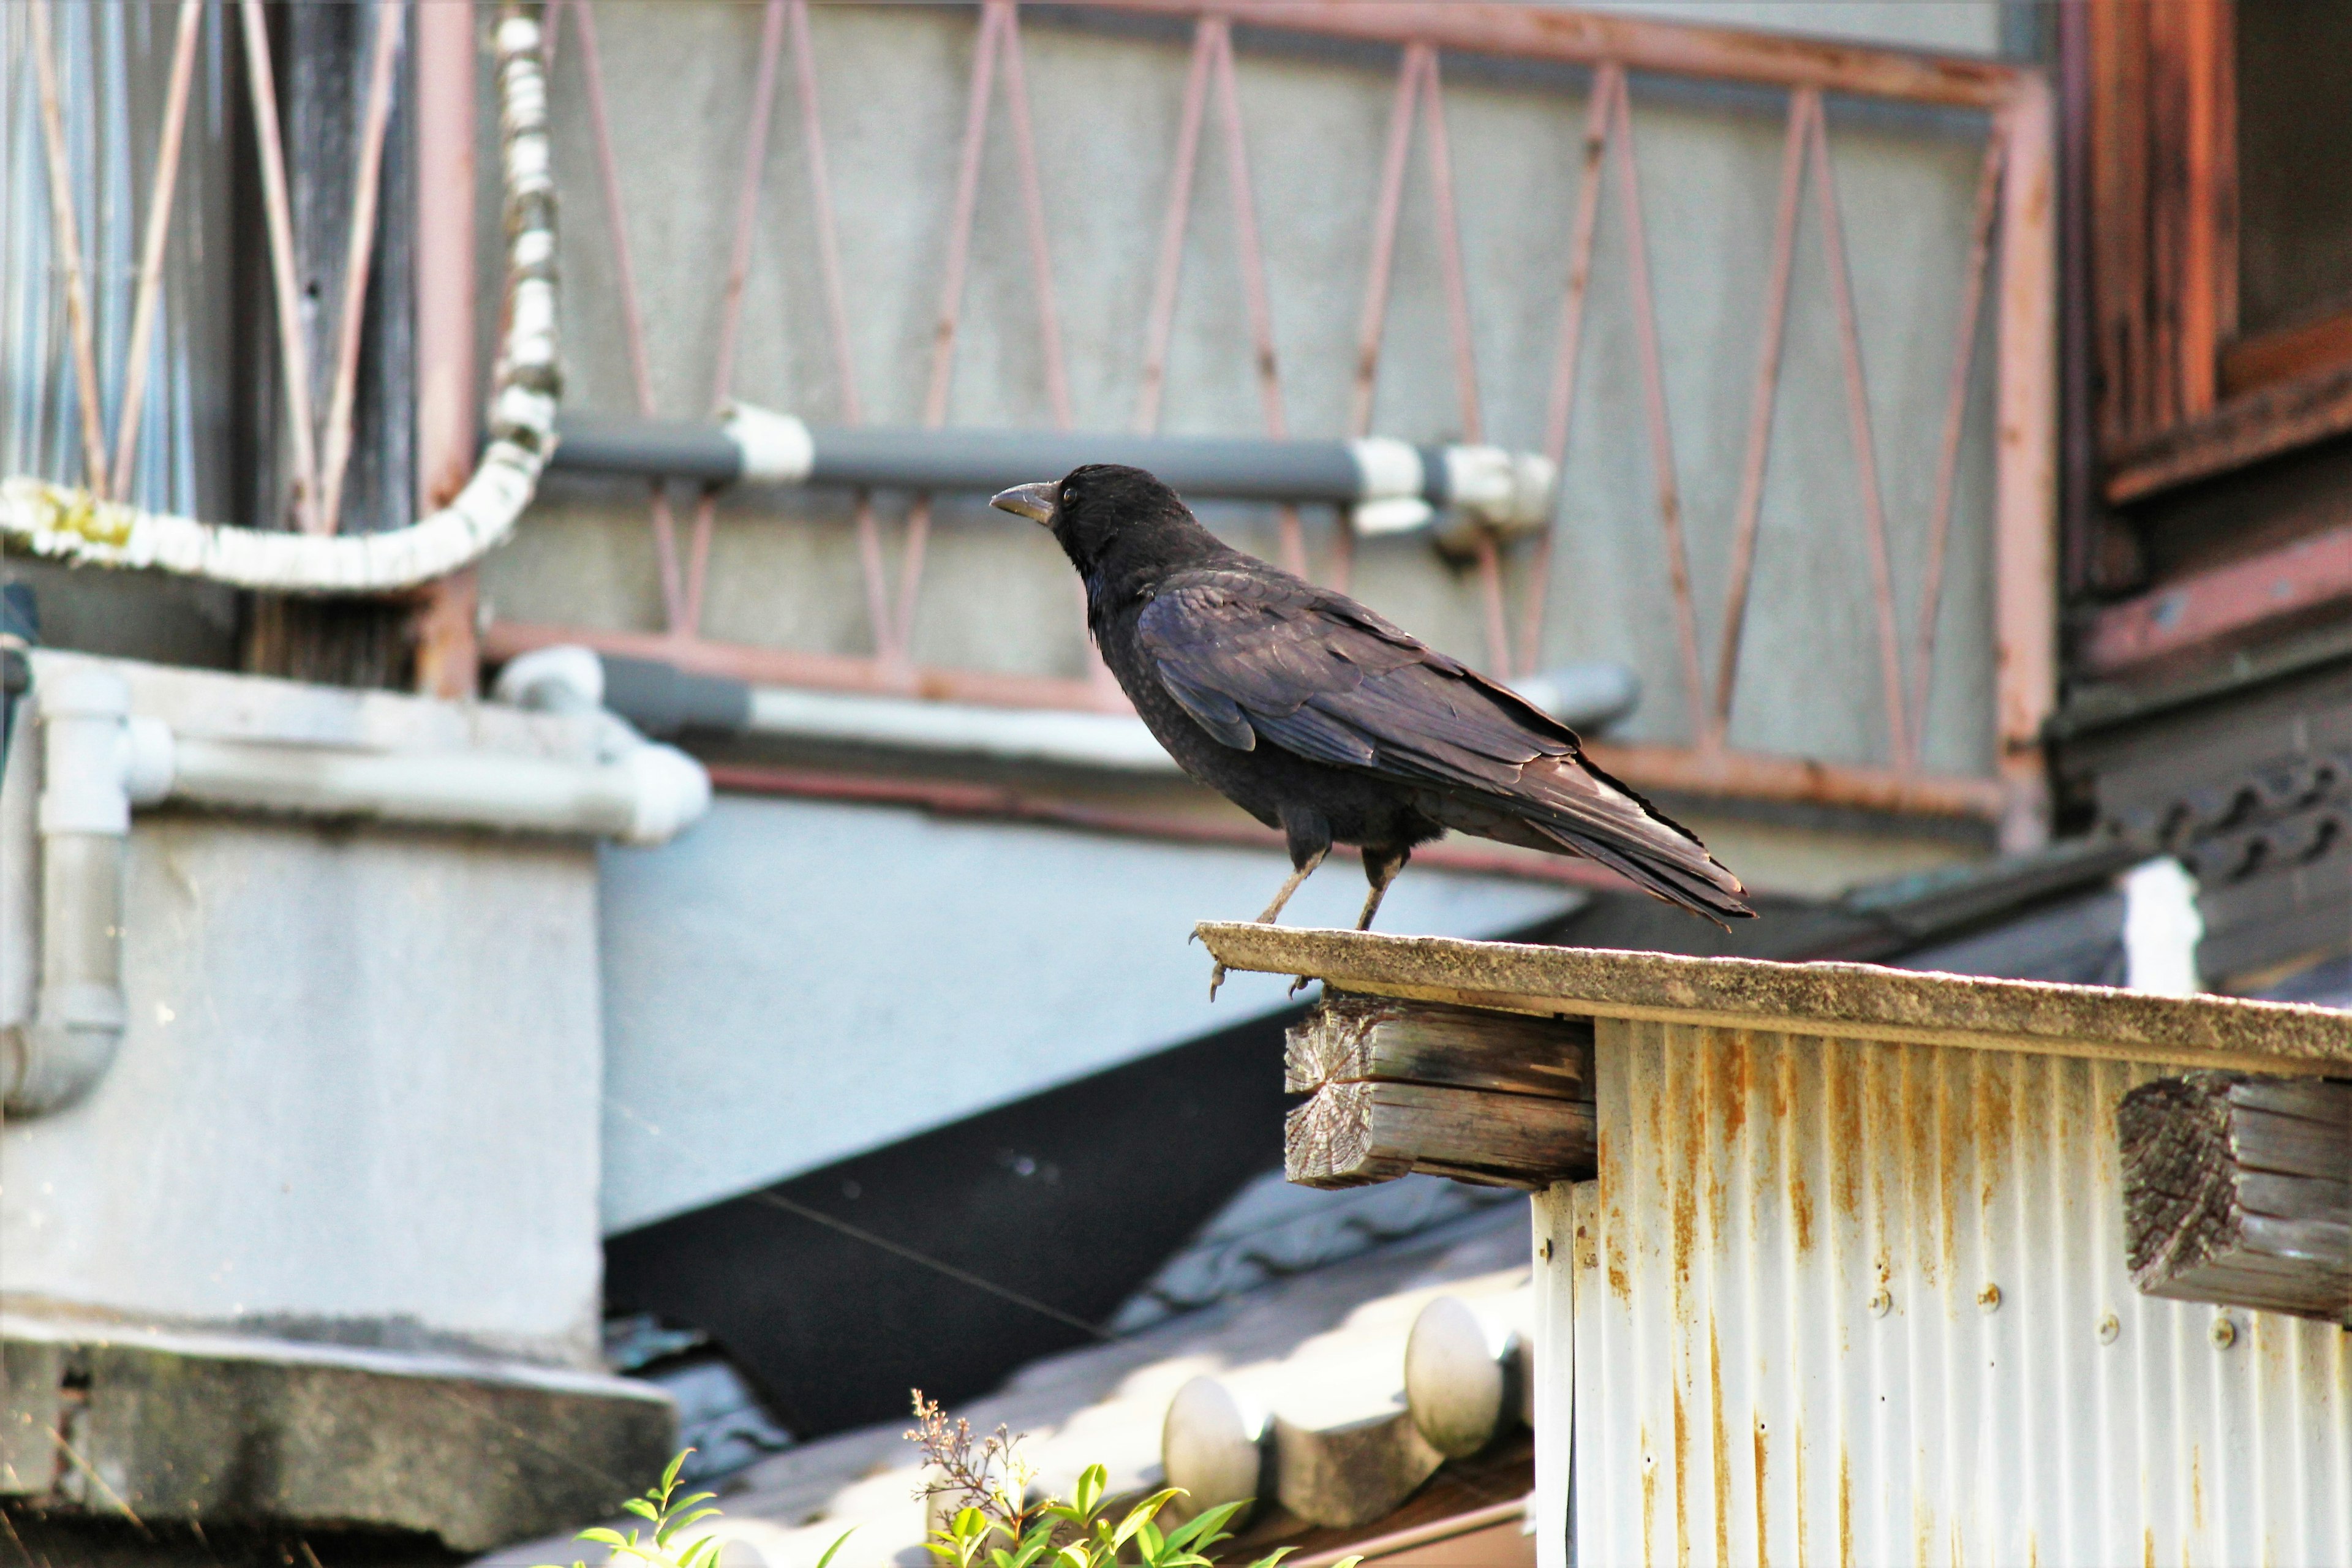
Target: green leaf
<point>1277,1554</point>
<point>706,1552</point>
<point>678,1521</point>
<point>669,1477</point>
<point>1206,1527</point>
<point>602,1537</point>
<point>1138,1516</point>
<point>838,1542</point>
<point>1092,1480</point>
<point>642,1509</point>
<point>1075,1554</point>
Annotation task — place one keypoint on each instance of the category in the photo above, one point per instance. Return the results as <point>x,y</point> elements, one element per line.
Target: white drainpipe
<point>62,861</point>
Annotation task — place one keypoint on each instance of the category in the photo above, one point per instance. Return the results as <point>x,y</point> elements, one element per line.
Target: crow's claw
<point>1298,985</point>
<point>1216,978</point>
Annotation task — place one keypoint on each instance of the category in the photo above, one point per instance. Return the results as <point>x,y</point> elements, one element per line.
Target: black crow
<point>1321,719</point>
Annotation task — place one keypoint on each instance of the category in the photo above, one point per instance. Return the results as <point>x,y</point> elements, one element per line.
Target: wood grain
<point>1493,1098</point>
<point>2238,1189</point>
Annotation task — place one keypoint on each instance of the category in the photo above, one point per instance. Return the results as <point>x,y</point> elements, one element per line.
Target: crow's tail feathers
<point>1583,811</point>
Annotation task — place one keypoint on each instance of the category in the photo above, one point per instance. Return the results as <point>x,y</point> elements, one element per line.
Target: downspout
<point>95,760</point>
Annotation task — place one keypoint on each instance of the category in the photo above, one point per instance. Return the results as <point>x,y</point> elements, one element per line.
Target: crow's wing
<point>1253,656</point>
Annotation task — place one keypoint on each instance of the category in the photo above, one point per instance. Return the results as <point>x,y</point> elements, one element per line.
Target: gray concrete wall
<point>795,981</point>
<point>357,1099</point>
<point>1106,103</point>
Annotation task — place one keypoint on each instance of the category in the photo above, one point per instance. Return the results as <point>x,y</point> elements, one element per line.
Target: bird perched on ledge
<point>1321,720</point>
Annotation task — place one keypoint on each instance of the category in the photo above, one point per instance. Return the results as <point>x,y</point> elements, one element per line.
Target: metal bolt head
<point>1880,1302</point>
<point>2111,1329</point>
<point>1543,1250</point>
<point>1989,1299</point>
<point>2225,1331</point>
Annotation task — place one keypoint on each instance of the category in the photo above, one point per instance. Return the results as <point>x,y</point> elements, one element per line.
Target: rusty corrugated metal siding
<point>1839,1302</point>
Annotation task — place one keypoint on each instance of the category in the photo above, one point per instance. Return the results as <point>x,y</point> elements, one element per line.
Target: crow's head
<point>1104,510</point>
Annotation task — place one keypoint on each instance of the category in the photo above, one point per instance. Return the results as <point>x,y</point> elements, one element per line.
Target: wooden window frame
<point>2180,394</point>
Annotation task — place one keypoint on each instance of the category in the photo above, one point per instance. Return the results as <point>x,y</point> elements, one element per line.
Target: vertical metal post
<point>448,659</point>
<point>2025,465</point>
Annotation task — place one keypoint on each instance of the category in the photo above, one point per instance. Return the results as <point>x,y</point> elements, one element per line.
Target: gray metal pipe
<point>990,461</point>
<point>1388,486</point>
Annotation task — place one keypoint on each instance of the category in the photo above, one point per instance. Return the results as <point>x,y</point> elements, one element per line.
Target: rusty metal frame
<point>2013,208</point>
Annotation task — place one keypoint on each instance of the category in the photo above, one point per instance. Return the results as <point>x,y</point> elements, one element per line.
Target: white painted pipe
<point>1213,1444</point>
<point>1464,1371</point>
<point>51,1055</point>
<point>1106,740</point>
<point>645,795</point>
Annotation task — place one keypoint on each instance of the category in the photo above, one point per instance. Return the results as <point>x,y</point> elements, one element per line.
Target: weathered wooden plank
<point>1353,1134</point>
<point>1354,1038</point>
<point>1848,1001</point>
<point>2238,1189</point>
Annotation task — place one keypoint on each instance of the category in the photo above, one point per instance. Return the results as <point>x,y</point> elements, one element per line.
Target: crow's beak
<point>1034,503</point>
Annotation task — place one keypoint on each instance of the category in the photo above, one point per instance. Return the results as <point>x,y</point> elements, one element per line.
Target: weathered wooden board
<point>1498,1099</point>
<point>2238,1189</point>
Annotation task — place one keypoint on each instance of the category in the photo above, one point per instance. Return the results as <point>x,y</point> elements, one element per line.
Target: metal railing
<point>2011,217</point>
<point>2013,225</point>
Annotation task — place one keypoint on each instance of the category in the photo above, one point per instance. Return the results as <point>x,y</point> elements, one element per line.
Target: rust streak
<point>1682,1476</point>
<point>1845,1507</point>
<point>1720,1459</point>
<point>1649,1496</point>
<point>1763,1536</point>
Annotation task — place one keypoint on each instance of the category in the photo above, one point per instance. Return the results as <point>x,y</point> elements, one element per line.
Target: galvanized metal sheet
<point>1845,1302</point>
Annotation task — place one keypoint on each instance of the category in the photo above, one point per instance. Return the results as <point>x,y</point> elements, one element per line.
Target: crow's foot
<point>1216,978</point>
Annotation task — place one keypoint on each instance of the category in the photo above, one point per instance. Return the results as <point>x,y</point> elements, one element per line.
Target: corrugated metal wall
<point>1850,1302</point>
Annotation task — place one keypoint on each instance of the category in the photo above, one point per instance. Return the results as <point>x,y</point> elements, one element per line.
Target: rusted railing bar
<point>1597,39</point>
<point>1160,325</point>
<point>1033,211</point>
<point>738,270</point>
<point>278,216</point>
<point>343,390</point>
<point>63,219</point>
<point>633,321</point>
<point>1948,456</point>
<point>1250,251</point>
<point>1804,106</point>
<point>1653,407</point>
<point>943,339</point>
<point>159,228</point>
<point>868,528</point>
<point>1374,320</point>
<point>1560,407</point>
<point>1866,451</point>
<point>1452,277</point>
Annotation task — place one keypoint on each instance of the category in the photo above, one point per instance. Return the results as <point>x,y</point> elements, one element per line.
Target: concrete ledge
<point>212,1427</point>
<point>1855,1001</point>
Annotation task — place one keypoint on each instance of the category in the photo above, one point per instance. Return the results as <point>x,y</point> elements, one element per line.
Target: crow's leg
<point>1380,869</point>
<point>1309,839</point>
<point>1290,885</point>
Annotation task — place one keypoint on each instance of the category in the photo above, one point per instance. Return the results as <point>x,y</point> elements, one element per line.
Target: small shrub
<point>669,1514</point>
<point>996,1525</point>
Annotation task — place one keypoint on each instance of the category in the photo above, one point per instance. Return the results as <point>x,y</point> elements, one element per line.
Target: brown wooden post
<point>2238,1189</point>
<point>448,658</point>
<point>321,55</point>
<point>2026,543</point>
<point>1397,1086</point>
